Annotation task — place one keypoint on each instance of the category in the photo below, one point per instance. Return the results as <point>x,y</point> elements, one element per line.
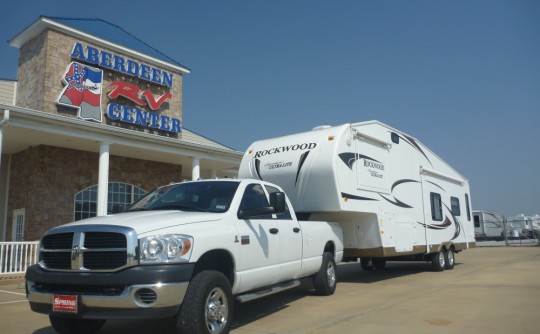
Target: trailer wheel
<point>365,263</point>
<point>379,263</point>
<point>449,258</point>
<point>325,281</point>
<point>74,325</point>
<point>438,261</point>
<point>207,306</point>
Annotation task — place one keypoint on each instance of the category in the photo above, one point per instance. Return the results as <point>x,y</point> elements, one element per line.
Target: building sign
<point>82,91</point>
<point>120,64</point>
<point>132,92</point>
<point>83,88</point>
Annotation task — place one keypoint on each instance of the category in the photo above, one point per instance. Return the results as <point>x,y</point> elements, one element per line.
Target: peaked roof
<point>99,30</point>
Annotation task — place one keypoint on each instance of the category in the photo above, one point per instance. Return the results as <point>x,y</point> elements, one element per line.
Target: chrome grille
<point>89,248</point>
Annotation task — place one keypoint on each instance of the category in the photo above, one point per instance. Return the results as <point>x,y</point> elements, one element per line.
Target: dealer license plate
<point>65,303</point>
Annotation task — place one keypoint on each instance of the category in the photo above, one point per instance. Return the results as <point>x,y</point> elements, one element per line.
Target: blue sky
<point>462,76</point>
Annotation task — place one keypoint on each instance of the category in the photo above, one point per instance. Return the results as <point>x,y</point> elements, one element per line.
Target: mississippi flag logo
<point>82,91</point>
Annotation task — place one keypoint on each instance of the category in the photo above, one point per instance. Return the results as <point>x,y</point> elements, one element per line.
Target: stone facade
<point>45,179</point>
<point>43,61</point>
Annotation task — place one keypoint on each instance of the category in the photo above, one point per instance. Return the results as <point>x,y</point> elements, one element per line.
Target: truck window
<point>454,202</point>
<point>436,206</point>
<point>205,196</point>
<point>287,213</point>
<point>254,198</point>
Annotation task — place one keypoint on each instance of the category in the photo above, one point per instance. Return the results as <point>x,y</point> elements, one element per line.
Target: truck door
<point>259,242</point>
<point>290,243</point>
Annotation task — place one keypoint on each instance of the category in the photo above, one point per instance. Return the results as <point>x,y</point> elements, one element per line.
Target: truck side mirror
<point>277,201</point>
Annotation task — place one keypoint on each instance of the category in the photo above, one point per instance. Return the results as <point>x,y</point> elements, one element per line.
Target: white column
<point>213,174</point>
<point>195,169</point>
<point>103,179</point>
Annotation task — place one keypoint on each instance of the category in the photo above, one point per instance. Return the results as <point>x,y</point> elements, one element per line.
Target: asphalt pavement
<point>490,290</point>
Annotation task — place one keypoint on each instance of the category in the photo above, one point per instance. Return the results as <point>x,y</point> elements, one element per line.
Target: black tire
<point>365,263</point>
<point>325,281</point>
<point>449,259</point>
<point>438,261</point>
<point>74,325</point>
<point>379,263</point>
<point>208,305</point>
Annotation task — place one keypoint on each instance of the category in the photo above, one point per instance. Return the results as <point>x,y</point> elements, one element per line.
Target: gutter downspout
<point>3,219</point>
<point>3,123</point>
<point>6,118</point>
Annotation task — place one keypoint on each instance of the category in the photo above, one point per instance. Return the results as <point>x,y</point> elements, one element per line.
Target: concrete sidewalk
<point>490,290</point>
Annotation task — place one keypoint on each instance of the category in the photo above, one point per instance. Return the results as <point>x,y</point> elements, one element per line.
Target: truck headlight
<point>165,248</point>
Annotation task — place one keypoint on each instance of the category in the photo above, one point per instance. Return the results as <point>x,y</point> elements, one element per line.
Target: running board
<point>268,291</point>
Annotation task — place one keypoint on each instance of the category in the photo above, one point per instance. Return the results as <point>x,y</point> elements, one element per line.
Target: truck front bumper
<point>142,292</point>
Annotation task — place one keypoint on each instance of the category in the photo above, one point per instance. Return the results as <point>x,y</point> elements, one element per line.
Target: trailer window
<point>476,221</point>
<point>395,138</point>
<point>436,206</point>
<point>468,207</point>
<point>454,202</point>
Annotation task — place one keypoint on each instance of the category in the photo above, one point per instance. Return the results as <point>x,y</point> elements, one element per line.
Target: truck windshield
<point>202,196</point>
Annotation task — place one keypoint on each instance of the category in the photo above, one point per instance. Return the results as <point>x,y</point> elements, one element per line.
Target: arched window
<point>120,196</point>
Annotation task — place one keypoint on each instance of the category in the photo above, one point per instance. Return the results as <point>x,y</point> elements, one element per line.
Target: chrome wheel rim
<point>331,274</point>
<point>450,258</point>
<point>441,259</point>
<point>216,311</point>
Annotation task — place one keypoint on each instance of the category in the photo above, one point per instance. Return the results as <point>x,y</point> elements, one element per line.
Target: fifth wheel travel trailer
<point>488,225</point>
<point>393,197</point>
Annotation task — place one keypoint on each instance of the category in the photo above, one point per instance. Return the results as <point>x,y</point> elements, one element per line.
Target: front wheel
<point>75,326</point>
<point>325,279</point>
<point>208,305</point>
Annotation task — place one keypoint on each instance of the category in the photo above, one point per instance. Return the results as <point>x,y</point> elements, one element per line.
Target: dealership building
<point>92,123</point>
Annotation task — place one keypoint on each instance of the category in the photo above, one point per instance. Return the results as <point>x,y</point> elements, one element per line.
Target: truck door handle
<point>296,230</point>
<point>274,230</point>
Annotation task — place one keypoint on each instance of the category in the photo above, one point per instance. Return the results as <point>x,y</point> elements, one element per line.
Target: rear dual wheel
<point>444,259</point>
<point>438,261</point>
<point>449,258</point>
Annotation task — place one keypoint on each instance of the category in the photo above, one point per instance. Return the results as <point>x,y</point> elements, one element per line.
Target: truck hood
<point>150,221</point>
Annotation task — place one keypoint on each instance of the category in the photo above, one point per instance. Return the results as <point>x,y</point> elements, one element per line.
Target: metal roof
<point>99,29</point>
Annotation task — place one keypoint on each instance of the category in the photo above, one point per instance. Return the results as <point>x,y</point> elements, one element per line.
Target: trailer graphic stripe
<point>397,202</point>
<point>360,198</point>
<point>409,140</point>
<point>303,158</point>
<point>447,223</point>
<point>397,183</point>
<point>436,185</point>
<point>456,222</point>
<point>258,168</point>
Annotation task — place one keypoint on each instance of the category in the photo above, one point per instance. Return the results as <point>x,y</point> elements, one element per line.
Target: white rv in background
<point>524,226</point>
<point>488,225</point>
<point>392,196</point>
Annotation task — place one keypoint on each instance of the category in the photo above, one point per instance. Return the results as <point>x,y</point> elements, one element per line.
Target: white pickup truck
<point>184,251</point>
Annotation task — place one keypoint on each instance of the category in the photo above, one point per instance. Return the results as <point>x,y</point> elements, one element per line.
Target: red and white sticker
<point>65,303</point>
